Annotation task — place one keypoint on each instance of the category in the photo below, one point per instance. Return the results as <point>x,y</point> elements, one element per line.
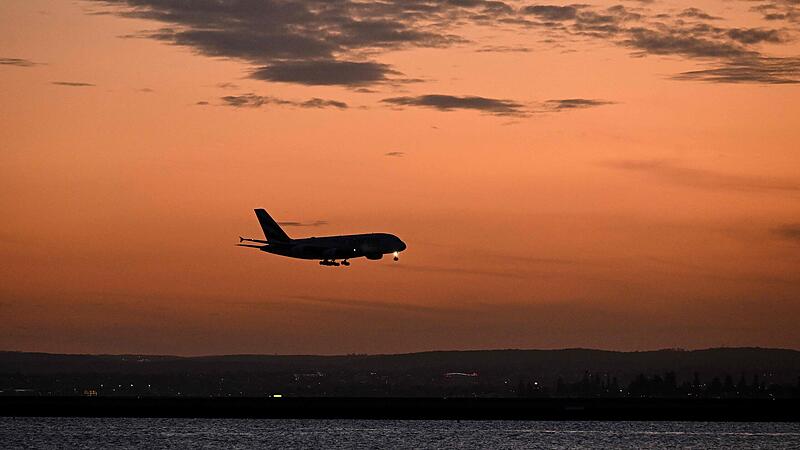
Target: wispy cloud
<point>395,154</point>
<point>697,13</point>
<point>316,223</point>
<point>749,70</point>
<point>732,52</point>
<point>575,103</point>
<point>756,35</point>
<point>789,231</point>
<point>256,101</point>
<point>18,62</point>
<point>72,84</point>
<point>551,12</point>
<point>672,172</point>
<point>494,106</point>
<point>778,10</point>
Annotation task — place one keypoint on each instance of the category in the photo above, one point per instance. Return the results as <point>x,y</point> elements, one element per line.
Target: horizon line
<point>340,355</point>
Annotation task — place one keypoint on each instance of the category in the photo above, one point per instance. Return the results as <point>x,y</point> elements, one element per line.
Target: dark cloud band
<point>322,42</point>
<point>257,101</point>
<point>327,72</point>
<point>442,102</point>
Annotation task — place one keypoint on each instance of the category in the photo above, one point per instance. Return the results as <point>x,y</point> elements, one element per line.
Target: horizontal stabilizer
<point>251,245</point>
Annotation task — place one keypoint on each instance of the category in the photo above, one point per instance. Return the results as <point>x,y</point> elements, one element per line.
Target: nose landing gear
<point>396,256</point>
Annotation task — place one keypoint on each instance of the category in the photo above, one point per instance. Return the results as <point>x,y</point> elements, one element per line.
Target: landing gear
<point>331,262</point>
<point>396,257</point>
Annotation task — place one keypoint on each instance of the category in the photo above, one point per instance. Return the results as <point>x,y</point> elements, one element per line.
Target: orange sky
<point>628,179</point>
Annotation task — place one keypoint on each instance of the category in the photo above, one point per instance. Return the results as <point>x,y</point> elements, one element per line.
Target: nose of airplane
<point>401,245</point>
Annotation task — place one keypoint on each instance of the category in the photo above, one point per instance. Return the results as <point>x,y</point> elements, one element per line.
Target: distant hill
<point>775,362</point>
<point>326,375</point>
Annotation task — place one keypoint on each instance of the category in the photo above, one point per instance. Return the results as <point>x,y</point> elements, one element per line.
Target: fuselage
<point>371,246</point>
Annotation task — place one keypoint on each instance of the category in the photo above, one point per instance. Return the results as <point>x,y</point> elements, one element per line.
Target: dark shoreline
<point>760,410</point>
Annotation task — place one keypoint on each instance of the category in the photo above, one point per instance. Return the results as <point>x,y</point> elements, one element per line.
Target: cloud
<point>323,42</point>
<point>677,42</point>
<point>308,41</point>
<point>671,172</point>
<point>730,50</point>
<point>256,101</point>
<point>18,62</point>
<point>251,101</point>
<point>322,103</point>
<point>749,70</point>
<point>325,72</point>
<point>72,83</point>
<point>788,10</point>
<point>755,35</point>
<point>789,231</point>
<point>499,107</point>
<point>696,13</point>
<point>551,12</point>
<point>395,154</point>
<point>316,223</point>
<point>575,103</point>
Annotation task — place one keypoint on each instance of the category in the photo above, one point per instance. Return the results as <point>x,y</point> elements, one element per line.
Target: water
<point>40,432</point>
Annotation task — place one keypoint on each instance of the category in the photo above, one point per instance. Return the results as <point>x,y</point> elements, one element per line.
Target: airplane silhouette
<point>327,249</point>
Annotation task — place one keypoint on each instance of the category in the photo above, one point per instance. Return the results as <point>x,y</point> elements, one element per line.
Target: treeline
<point>664,385</point>
<point>248,384</point>
<point>571,373</point>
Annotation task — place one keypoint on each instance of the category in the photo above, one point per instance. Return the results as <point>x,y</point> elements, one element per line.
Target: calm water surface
<point>261,433</point>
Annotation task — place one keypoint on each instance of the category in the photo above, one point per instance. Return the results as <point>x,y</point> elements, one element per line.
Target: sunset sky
<point>608,175</point>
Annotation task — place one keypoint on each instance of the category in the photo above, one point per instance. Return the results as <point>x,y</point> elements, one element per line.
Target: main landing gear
<point>331,262</point>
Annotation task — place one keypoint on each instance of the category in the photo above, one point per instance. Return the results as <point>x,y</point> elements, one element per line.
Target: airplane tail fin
<point>272,231</point>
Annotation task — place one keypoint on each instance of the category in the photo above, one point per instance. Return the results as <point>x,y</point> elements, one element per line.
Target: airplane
<point>327,249</point>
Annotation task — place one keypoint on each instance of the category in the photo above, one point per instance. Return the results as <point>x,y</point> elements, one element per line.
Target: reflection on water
<point>253,433</point>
